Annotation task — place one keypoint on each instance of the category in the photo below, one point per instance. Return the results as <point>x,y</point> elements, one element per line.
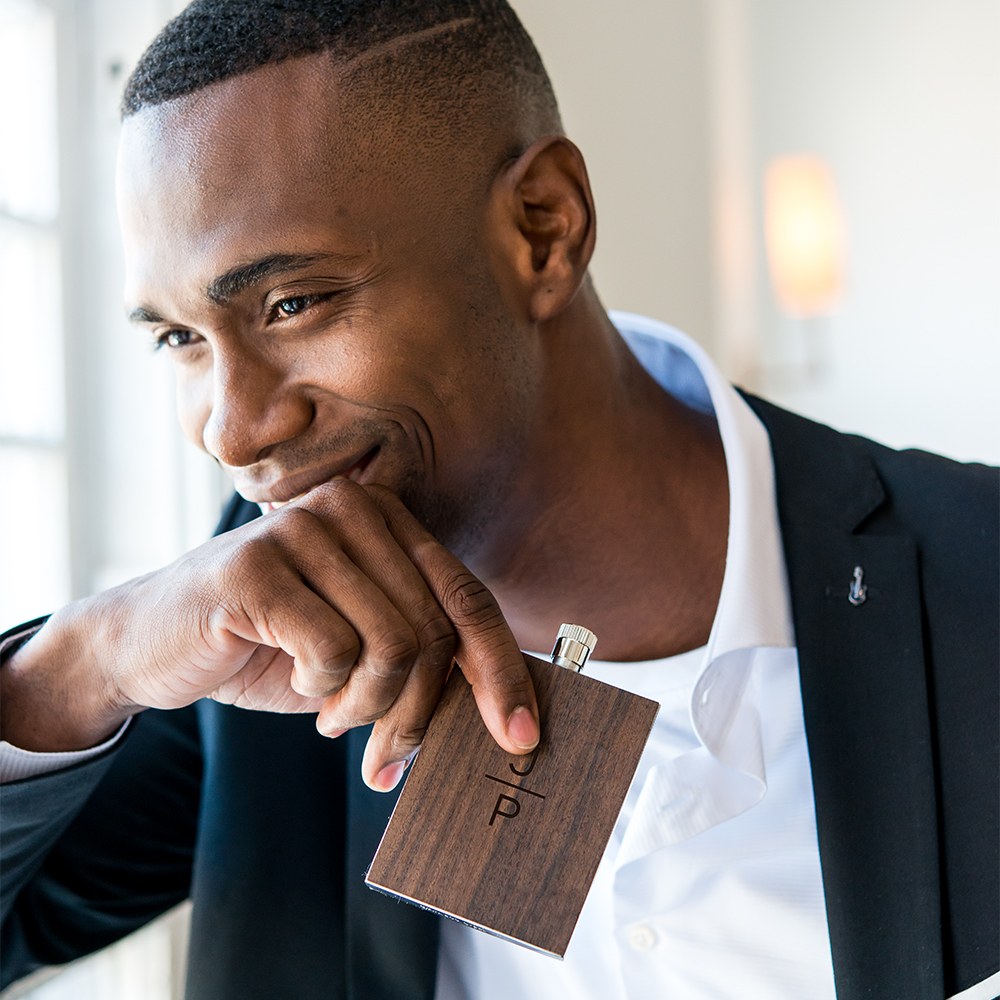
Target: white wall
<point>679,104</point>
<point>901,97</point>
<point>632,82</point>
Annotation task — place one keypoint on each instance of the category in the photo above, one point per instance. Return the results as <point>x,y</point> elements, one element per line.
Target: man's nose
<point>254,408</point>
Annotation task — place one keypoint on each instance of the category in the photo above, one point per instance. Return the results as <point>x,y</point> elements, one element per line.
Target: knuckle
<point>362,700</point>
<point>396,738</point>
<point>390,506</point>
<point>470,602</point>
<point>364,717</point>
<point>240,568</point>
<point>295,524</point>
<point>247,577</point>
<point>435,633</point>
<point>306,683</point>
<point>404,740</point>
<point>394,651</point>
<point>346,716</point>
<point>380,493</point>
<point>328,724</point>
<point>438,639</point>
<point>327,667</point>
<point>327,727</point>
<point>335,654</point>
<point>343,506</point>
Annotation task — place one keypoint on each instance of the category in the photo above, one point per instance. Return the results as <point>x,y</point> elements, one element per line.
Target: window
<point>34,534</point>
<point>95,483</point>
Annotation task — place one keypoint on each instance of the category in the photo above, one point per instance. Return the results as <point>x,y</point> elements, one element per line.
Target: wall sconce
<point>804,231</point>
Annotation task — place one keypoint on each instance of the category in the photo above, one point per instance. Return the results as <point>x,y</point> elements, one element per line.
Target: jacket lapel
<point>864,693</point>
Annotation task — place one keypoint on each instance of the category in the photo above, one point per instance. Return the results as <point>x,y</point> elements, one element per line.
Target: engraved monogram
<point>508,806</point>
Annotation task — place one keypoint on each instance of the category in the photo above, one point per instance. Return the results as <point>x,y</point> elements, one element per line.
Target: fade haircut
<point>456,53</point>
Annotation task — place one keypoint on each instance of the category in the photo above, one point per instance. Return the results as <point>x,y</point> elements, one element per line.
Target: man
<point>359,233</point>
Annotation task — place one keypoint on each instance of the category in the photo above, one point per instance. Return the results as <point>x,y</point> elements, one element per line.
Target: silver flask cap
<point>573,647</point>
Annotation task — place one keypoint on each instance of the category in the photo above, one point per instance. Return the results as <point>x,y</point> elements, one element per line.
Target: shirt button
<point>641,937</point>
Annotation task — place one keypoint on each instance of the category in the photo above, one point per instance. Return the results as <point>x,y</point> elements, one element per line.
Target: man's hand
<point>339,603</point>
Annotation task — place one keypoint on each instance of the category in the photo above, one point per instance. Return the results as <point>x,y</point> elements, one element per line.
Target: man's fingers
<point>404,633</point>
<point>397,735</point>
<point>401,672</point>
<point>322,644</point>
<point>385,642</point>
<point>385,669</point>
<point>490,659</point>
<point>486,649</point>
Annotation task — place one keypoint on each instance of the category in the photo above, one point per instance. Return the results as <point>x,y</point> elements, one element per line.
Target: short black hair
<point>214,40</point>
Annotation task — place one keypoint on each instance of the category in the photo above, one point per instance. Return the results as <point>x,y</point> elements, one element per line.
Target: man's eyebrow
<point>237,279</point>
<point>143,315</point>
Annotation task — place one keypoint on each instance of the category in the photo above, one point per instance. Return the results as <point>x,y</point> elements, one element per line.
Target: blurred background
<point>809,189</point>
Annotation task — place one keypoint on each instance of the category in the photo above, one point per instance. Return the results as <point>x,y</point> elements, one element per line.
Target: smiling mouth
<point>353,472</point>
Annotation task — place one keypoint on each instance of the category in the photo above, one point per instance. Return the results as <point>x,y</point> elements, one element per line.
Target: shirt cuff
<point>17,764</point>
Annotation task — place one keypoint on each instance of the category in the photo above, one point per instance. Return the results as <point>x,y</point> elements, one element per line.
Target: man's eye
<point>295,305</point>
<point>173,339</point>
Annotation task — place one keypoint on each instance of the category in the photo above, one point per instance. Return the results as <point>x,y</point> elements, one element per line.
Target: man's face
<point>328,298</point>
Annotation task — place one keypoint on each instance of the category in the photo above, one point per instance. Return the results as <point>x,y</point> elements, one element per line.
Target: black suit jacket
<point>269,828</point>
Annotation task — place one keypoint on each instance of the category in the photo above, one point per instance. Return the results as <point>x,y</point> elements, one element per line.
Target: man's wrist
<point>51,702</point>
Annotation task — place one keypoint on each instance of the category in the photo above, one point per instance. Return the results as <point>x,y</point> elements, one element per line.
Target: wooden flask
<point>510,844</point>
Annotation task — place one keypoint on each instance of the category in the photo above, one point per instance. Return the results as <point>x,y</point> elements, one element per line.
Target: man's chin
<point>462,528</point>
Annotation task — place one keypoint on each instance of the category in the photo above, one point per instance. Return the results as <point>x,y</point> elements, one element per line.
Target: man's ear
<point>545,211</point>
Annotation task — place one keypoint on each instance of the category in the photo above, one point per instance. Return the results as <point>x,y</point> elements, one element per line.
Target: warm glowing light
<point>805,235</point>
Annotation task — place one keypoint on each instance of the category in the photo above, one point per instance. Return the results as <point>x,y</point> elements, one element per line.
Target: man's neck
<point>625,528</point>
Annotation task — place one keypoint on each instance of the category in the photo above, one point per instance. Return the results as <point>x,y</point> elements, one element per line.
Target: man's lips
<point>295,487</point>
